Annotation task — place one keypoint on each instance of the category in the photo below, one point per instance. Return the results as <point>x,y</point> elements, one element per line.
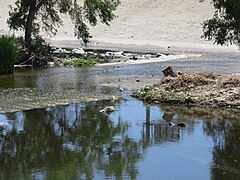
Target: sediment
<point>202,88</point>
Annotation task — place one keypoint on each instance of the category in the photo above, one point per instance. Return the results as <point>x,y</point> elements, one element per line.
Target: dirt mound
<point>195,88</point>
<point>188,81</point>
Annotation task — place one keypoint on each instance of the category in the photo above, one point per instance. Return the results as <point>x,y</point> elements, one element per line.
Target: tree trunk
<point>29,24</point>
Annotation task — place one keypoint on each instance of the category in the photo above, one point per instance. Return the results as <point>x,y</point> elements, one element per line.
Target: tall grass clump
<point>8,54</point>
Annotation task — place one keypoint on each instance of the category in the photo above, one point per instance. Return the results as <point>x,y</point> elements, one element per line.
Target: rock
<point>180,73</point>
<point>158,55</point>
<point>115,98</point>
<point>50,64</point>
<point>148,56</point>
<point>108,110</point>
<point>141,57</point>
<point>60,50</point>
<point>109,54</point>
<point>119,54</point>
<point>92,54</point>
<point>78,51</point>
<point>146,88</point>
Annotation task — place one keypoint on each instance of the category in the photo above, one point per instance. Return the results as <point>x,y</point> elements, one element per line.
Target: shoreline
<point>143,46</point>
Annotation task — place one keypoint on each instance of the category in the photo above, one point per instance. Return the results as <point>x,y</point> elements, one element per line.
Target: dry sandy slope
<point>163,20</point>
<point>144,22</point>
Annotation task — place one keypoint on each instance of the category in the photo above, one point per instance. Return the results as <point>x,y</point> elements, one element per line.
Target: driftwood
<point>24,64</point>
<point>29,59</point>
<point>33,61</point>
<point>169,72</point>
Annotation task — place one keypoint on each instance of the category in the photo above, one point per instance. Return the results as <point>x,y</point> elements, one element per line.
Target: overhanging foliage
<point>224,27</point>
<point>31,16</point>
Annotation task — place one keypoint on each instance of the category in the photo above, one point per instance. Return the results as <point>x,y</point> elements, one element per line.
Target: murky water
<point>59,141</point>
<point>30,89</point>
<point>135,142</point>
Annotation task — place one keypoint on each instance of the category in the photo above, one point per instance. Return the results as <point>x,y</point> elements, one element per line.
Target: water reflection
<point>226,155</point>
<point>135,142</point>
<point>67,141</point>
<point>223,126</point>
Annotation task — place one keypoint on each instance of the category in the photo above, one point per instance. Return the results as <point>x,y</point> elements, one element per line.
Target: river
<point>52,127</point>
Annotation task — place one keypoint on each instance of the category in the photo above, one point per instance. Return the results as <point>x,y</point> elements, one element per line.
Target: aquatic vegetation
<point>85,61</point>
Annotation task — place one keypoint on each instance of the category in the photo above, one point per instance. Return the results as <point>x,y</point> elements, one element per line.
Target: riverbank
<point>141,26</point>
<point>203,88</point>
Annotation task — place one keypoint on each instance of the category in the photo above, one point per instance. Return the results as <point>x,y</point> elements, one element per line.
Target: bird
<point>180,124</point>
<point>96,43</point>
<point>171,124</point>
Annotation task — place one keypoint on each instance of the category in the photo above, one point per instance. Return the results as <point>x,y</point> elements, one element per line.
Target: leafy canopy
<point>45,15</point>
<point>224,27</point>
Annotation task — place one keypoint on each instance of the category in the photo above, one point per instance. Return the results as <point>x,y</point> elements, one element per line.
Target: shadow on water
<point>134,142</point>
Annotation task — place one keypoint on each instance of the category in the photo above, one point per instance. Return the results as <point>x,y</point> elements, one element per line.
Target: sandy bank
<point>146,25</point>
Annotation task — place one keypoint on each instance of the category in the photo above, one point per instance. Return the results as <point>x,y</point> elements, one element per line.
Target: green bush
<point>8,54</point>
<point>81,62</point>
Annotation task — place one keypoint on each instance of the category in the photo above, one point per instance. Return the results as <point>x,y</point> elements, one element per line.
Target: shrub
<point>8,54</point>
<point>38,45</point>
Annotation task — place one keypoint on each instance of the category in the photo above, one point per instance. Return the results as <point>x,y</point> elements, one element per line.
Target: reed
<point>8,54</point>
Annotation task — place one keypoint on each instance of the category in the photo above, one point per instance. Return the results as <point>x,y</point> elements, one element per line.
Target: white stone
<point>78,51</point>
<point>50,64</point>
<point>108,109</point>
